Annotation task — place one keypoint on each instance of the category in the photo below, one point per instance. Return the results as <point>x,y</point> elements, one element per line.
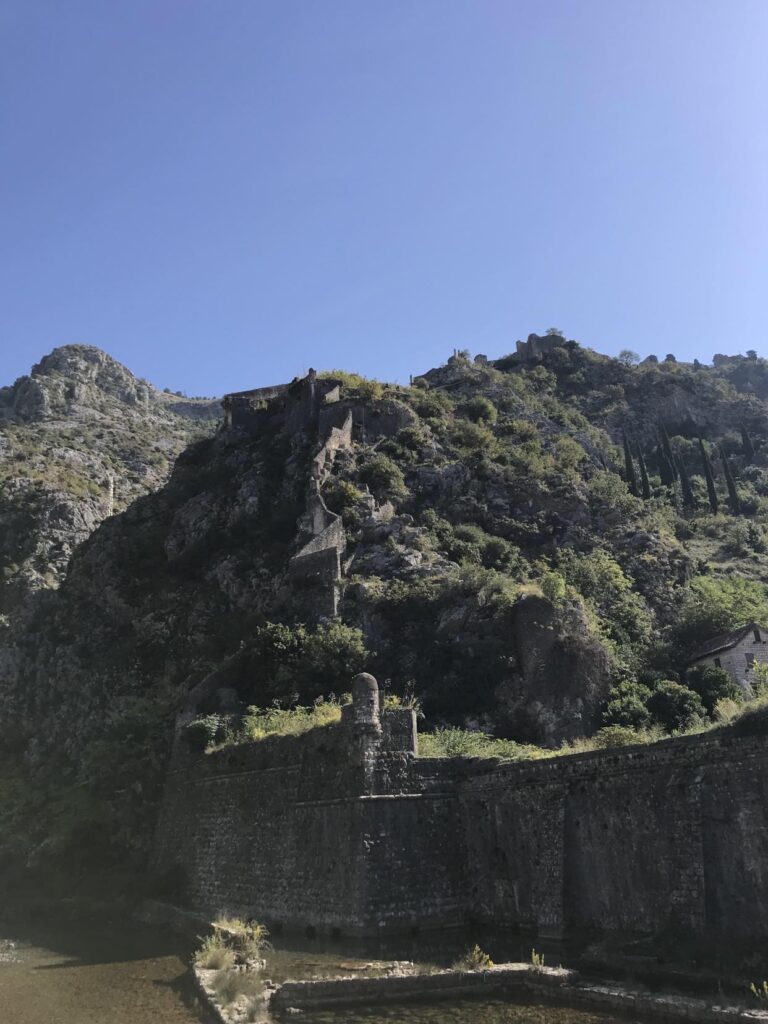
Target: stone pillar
<point>366,716</point>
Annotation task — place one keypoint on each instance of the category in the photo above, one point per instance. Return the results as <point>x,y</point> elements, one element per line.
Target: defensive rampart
<point>344,828</point>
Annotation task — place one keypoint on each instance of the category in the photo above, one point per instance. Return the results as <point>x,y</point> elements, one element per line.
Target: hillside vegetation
<point>534,549</point>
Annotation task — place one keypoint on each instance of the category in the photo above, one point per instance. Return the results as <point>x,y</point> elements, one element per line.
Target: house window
<point>717,663</point>
<point>757,636</point>
<point>750,659</point>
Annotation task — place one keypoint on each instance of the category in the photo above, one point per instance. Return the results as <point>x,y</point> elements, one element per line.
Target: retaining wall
<point>337,829</point>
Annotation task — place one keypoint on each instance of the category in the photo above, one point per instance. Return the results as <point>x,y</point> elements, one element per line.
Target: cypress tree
<point>712,493</point>
<point>689,500</point>
<point>747,448</point>
<point>665,470</point>
<point>644,481</point>
<point>667,449</point>
<point>733,494</point>
<point>629,469</point>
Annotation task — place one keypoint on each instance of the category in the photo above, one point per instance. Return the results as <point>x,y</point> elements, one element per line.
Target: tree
<point>666,472</point>
<point>667,449</point>
<point>674,706</point>
<point>714,605</point>
<point>554,332</point>
<point>730,483</point>
<point>747,448</point>
<point>689,500</point>
<point>629,469</point>
<point>644,481</point>
<point>628,357</point>
<point>709,477</point>
<point>669,358</point>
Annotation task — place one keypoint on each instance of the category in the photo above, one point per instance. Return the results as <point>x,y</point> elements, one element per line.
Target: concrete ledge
<point>303,995</point>
<point>555,984</point>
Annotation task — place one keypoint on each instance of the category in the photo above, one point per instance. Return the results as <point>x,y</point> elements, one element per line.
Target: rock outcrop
<point>80,439</point>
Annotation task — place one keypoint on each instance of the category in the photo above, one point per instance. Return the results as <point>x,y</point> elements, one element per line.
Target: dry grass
<point>214,954</point>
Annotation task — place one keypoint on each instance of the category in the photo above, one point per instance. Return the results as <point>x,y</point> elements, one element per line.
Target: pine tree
<point>689,500</point>
<point>711,492</point>
<point>629,469</point>
<point>665,470</point>
<point>733,494</point>
<point>644,481</point>
<point>747,448</point>
<point>667,449</point>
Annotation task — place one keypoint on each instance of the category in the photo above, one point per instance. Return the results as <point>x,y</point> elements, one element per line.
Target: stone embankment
<point>503,980</point>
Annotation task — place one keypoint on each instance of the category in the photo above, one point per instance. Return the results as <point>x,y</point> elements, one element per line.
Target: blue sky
<point>222,193</point>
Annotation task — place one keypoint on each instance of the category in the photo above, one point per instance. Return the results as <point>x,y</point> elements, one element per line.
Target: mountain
<point>528,546</point>
<point>80,439</point>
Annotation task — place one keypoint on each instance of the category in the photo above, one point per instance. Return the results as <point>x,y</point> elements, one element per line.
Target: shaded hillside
<point>80,438</point>
<point>495,564</point>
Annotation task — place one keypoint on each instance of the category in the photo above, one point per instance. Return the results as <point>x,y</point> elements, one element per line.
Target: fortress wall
<point>314,831</point>
<point>268,829</point>
<point>673,835</point>
<point>336,829</point>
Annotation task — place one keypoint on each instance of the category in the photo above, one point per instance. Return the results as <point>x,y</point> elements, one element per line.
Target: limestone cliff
<point>80,439</point>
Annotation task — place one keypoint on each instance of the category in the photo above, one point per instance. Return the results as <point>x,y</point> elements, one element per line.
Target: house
<point>736,652</point>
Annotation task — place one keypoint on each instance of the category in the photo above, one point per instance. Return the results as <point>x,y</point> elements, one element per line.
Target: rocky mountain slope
<point>80,439</point>
<point>527,546</point>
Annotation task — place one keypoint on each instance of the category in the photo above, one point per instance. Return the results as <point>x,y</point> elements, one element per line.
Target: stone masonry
<point>346,829</point>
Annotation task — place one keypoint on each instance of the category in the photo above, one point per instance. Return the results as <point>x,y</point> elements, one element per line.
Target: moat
<point>87,971</point>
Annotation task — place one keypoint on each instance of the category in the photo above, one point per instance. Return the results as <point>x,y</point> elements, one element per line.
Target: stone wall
<point>344,828</point>
<point>673,835</point>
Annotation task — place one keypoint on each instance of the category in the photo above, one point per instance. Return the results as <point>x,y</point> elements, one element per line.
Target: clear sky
<point>222,193</point>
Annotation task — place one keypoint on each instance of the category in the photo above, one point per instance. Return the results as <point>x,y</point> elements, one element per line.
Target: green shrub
<point>674,706</point>
<point>712,685</point>
<point>362,387</point>
<point>305,663</point>
<point>432,405</point>
<point>617,736</point>
<point>259,723</point>
<point>205,731</point>
<point>474,959</point>
<point>341,495</point>
<point>473,436</point>
<point>627,706</point>
<point>383,476</point>
<point>453,742</point>
<point>553,587</point>
<point>479,409</point>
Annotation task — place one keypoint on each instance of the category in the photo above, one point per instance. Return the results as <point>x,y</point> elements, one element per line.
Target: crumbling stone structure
<point>345,828</point>
<point>536,346</point>
<point>319,560</point>
<point>313,408</point>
